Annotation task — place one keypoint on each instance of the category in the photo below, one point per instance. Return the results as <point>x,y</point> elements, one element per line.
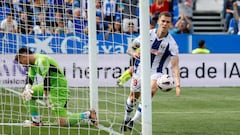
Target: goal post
<point>92,44</point>
<point>145,64</point>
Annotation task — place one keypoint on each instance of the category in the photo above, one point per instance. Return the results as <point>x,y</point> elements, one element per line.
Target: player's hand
<point>46,101</point>
<point>155,52</point>
<point>27,92</point>
<point>178,90</point>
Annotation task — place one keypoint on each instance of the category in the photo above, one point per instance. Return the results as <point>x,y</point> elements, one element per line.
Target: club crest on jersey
<point>163,46</point>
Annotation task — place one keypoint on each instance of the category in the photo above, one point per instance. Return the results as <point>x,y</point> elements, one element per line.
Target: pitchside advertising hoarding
<point>195,70</point>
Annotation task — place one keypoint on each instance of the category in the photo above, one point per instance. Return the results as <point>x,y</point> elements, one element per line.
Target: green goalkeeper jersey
<point>53,76</point>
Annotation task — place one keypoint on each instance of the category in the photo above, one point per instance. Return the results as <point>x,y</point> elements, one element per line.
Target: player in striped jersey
<point>164,50</point>
<point>54,90</point>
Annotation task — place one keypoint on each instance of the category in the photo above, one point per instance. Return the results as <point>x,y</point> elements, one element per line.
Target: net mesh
<point>60,29</point>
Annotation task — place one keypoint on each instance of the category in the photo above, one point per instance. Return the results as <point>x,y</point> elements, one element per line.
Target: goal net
<point>60,29</point>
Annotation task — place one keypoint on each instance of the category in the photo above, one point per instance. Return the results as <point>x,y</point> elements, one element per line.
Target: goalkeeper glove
<point>27,92</point>
<point>46,101</point>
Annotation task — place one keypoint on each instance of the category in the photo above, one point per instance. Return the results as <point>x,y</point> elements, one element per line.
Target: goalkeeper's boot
<point>124,125</point>
<point>120,83</point>
<point>93,117</point>
<point>28,123</point>
<point>130,125</point>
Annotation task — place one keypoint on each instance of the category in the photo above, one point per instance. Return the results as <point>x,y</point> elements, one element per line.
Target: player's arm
<point>30,76</point>
<point>132,48</point>
<point>176,73</point>
<point>44,68</point>
<point>27,92</point>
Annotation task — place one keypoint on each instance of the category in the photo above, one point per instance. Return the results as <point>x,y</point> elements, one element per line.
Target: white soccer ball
<point>165,83</point>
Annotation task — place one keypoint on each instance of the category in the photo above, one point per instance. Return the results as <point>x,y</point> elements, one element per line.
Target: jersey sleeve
<point>173,47</point>
<point>137,40</point>
<point>30,76</point>
<point>44,65</point>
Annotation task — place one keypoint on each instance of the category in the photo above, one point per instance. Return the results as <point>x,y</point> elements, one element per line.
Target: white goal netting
<point>59,28</point>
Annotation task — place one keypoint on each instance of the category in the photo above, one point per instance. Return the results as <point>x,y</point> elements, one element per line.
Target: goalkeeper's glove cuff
<point>28,88</point>
<point>46,100</point>
<point>27,92</point>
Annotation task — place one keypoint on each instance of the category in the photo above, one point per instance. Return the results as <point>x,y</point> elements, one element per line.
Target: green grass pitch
<point>198,111</point>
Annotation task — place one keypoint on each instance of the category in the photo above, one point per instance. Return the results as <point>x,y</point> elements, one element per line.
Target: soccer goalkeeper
<point>54,90</point>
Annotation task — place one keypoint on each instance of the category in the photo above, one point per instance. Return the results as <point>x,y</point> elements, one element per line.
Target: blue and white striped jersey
<point>162,49</point>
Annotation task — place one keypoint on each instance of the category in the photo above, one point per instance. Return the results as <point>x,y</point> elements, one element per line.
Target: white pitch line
<point>207,112</point>
<point>24,125</point>
<point>109,130</point>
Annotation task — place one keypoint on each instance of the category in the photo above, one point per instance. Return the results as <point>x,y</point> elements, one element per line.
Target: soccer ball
<point>165,83</point>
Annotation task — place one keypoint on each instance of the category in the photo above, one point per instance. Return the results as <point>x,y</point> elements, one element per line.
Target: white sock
<point>128,109</point>
<point>138,113</point>
<point>87,114</point>
<point>36,119</point>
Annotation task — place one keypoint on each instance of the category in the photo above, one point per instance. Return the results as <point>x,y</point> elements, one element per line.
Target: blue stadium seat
<point>3,12</point>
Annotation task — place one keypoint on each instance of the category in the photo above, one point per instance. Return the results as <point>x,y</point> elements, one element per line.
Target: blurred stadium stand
<point>207,18</point>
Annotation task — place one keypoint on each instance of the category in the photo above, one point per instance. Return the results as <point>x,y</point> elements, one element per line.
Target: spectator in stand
<point>131,28</point>
<point>101,25</point>
<point>109,12</point>
<point>70,25</point>
<point>37,29</point>
<point>83,6</point>
<point>236,8</point>
<point>130,14</point>
<point>61,29</point>
<point>76,4</point>
<point>38,6</point>
<point>119,12</point>
<point>201,48</point>
<point>228,11</point>
<point>117,27</point>
<point>183,25</point>
<point>9,25</point>
<point>185,7</point>
<point>159,6</point>
<point>68,4</point>
<point>24,25</point>
<point>41,26</point>
<point>25,5</point>
<point>58,16</point>
<point>172,30</point>
<point>233,24</point>
<point>99,10</point>
<point>78,21</point>
<point>59,24</point>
